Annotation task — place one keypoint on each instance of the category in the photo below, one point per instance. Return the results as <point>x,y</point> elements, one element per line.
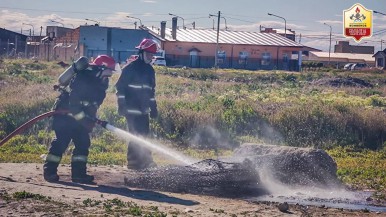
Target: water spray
<point>141,141</point>
<point>118,132</point>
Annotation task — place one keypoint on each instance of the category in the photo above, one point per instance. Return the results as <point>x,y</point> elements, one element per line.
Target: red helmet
<point>148,45</point>
<point>104,60</point>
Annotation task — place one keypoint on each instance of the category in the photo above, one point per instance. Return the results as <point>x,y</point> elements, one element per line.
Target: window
<point>243,56</point>
<point>221,55</point>
<point>266,59</point>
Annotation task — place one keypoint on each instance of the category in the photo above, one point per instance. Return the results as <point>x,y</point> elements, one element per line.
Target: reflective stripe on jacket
<point>136,87</point>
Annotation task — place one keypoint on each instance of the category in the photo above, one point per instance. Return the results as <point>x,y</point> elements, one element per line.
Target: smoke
<point>280,189</point>
<point>269,134</point>
<point>337,196</point>
<point>209,137</point>
<point>269,182</point>
<point>295,175</point>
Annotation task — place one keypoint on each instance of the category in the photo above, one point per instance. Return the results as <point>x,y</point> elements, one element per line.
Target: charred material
<point>210,177</point>
<point>290,165</point>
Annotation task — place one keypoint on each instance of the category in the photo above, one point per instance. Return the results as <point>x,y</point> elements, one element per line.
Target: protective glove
<point>154,112</point>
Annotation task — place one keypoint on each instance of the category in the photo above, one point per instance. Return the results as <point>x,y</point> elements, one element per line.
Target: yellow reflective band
<point>135,86</point>
<point>121,96</point>
<point>139,86</point>
<point>134,112</point>
<point>79,158</point>
<point>79,116</point>
<point>152,99</point>
<point>53,158</point>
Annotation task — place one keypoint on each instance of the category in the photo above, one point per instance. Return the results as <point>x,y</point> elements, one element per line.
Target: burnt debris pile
<point>248,172</point>
<point>290,165</point>
<point>209,177</point>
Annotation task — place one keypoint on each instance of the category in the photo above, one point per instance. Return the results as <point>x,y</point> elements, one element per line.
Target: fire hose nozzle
<point>102,123</point>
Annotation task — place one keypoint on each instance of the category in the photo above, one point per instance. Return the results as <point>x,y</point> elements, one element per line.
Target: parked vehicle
<point>360,66</point>
<point>159,61</point>
<point>348,66</point>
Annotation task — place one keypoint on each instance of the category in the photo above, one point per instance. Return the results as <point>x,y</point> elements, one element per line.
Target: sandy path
<point>70,196</point>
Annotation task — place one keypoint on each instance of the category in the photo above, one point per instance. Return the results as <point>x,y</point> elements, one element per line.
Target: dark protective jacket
<point>86,94</point>
<point>136,88</point>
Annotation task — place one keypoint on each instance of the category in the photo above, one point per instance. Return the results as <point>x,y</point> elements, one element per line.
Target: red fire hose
<point>29,123</point>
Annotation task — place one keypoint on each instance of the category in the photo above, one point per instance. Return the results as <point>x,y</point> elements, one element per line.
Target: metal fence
<point>235,63</point>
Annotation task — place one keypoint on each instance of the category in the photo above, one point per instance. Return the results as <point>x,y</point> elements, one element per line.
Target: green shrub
<point>319,124</point>
<point>370,92</point>
<point>14,116</point>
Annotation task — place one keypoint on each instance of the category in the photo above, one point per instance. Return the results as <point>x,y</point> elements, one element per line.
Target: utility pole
<point>183,20</point>
<point>218,34</point>
<point>140,21</point>
<point>285,23</point>
<point>225,20</point>
<point>381,44</point>
<point>32,37</point>
<point>40,38</point>
<point>329,48</point>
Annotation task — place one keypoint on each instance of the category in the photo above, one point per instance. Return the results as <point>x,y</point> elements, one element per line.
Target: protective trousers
<point>67,129</point>
<point>138,157</point>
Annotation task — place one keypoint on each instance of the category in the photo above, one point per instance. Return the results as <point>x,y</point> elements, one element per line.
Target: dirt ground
<point>104,199</point>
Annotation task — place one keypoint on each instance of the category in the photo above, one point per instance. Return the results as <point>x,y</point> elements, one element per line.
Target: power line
<point>241,20</point>
<point>194,18</point>
<point>380,30</point>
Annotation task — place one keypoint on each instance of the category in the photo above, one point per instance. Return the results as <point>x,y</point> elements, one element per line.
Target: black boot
<point>79,174</point>
<point>50,171</point>
<point>84,179</point>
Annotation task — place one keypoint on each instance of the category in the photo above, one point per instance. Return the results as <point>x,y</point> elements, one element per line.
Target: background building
<point>380,59</point>
<point>340,59</point>
<point>12,44</point>
<point>235,49</point>
<point>345,47</point>
<point>289,33</point>
<point>68,44</point>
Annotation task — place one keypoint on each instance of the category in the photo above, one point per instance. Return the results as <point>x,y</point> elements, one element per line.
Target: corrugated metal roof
<point>230,37</point>
<point>349,56</point>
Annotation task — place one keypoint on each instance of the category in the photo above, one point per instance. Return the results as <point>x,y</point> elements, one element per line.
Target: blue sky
<point>306,17</point>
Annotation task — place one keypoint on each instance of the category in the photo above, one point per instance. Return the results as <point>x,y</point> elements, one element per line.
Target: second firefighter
<point>136,101</point>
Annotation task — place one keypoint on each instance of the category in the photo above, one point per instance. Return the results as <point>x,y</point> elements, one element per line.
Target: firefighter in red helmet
<point>82,97</point>
<point>136,101</point>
